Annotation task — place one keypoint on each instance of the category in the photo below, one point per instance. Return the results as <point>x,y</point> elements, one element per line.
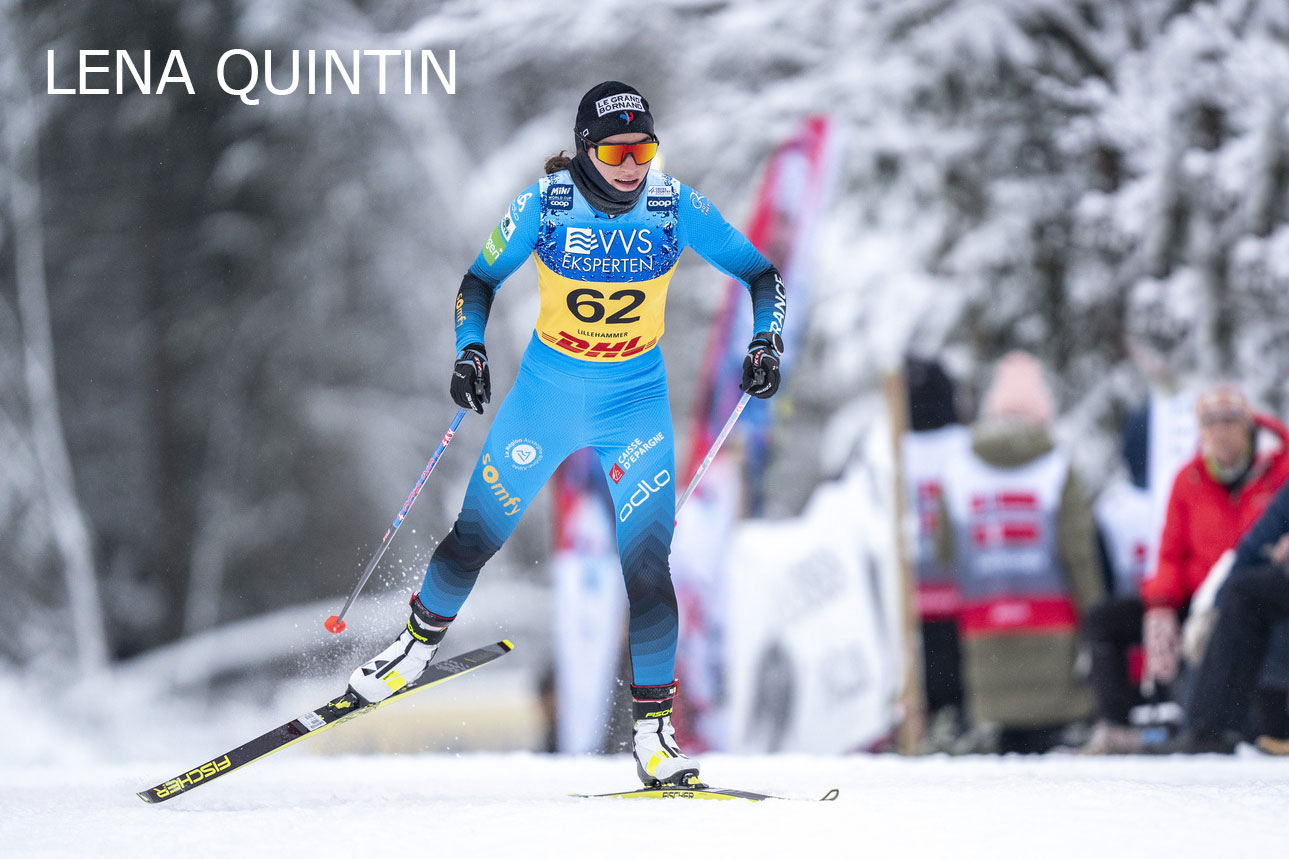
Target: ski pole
<point>711,454</point>
<point>336,624</point>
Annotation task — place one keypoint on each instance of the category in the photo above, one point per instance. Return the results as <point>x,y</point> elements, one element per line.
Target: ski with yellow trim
<point>695,789</point>
<point>342,709</point>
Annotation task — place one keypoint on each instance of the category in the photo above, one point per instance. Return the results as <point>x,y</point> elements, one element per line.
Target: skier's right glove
<point>761,365</point>
<point>471,381</point>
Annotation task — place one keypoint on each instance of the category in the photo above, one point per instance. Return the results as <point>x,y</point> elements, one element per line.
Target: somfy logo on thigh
<point>644,489</point>
<point>512,504</point>
<point>523,453</point>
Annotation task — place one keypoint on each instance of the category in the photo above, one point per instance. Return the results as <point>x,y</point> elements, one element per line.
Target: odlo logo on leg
<point>492,477</point>
<point>644,489</point>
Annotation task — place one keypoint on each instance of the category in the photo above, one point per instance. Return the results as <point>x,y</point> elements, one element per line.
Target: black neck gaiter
<point>595,188</point>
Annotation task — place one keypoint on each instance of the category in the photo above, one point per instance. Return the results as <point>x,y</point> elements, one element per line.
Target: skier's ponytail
<point>556,163</point>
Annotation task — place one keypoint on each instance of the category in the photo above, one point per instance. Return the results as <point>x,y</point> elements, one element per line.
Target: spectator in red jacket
<point>1253,600</point>
<point>1215,498</point>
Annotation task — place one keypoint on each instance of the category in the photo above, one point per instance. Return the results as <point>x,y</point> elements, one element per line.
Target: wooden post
<point>913,713</point>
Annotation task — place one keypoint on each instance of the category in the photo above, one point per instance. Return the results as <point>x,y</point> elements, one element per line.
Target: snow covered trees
<point>250,306</point>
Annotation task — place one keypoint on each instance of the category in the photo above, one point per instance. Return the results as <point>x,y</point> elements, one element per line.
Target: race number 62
<point>588,305</point>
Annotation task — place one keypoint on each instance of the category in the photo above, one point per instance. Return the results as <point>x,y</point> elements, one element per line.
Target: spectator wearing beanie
<point>935,437</point>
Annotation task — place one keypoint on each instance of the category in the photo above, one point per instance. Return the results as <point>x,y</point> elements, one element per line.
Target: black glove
<point>761,365</point>
<point>471,381</point>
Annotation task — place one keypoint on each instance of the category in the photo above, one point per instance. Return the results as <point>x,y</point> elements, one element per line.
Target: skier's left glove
<point>471,381</point>
<point>761,365</point>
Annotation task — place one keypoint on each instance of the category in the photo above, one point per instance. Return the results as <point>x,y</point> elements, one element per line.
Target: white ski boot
<point>659,760</point>
<point>404,660</point>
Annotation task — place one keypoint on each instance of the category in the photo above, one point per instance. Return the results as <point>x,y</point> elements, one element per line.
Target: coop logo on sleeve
<point>621,101</point>
<point>524,453</point>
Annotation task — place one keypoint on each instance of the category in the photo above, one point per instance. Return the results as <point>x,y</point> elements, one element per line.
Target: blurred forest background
<point>226,330</point>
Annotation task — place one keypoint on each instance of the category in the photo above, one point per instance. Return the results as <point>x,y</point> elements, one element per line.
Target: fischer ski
<point>695,789</point>
<point>342,709</point>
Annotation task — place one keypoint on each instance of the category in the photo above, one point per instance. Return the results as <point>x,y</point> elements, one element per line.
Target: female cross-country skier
<point>606,233</point>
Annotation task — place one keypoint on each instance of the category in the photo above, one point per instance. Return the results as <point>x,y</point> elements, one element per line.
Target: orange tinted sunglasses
<point>614,154</point>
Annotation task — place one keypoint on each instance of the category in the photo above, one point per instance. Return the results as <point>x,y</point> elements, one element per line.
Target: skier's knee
<point>464,549</point>
<point>650,586</point>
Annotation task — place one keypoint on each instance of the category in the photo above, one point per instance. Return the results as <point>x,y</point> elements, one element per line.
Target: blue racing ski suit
<point>592,377</point>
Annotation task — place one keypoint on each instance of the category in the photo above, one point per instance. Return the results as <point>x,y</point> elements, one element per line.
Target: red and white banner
<point>793,192</point>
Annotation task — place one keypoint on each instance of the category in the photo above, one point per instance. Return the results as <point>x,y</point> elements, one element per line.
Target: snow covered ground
<point>508,805</point>
<point>72,759</point>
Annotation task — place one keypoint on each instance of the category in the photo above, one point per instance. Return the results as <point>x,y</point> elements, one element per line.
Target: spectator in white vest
<point>1020,534</point>
<point>934,438</point>
<point>1129,539</point>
